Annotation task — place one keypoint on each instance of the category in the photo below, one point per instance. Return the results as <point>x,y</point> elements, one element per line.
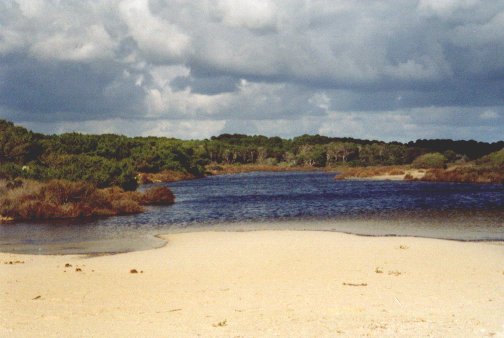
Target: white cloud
<point>252,14</point>
<point>31,8</point>
<point>157,38</point>
<point>185,129</point>
<point>90,44</point>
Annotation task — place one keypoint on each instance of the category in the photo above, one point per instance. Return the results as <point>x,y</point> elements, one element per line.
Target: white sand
<point>260,284</point>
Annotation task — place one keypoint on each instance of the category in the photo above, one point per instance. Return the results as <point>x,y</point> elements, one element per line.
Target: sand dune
<point>260,284</point>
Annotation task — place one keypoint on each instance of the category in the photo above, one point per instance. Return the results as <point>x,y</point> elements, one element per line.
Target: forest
<point>115,160</point>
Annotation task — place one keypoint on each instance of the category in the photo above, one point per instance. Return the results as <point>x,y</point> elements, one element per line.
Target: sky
<point>389,70</point>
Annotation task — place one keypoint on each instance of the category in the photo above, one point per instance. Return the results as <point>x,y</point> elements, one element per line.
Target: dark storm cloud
<point>272,66</point>
<point>66,90</point>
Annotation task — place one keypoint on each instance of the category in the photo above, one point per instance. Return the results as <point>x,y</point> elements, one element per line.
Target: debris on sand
<point>14,262</point>
<point>355,284</point>
<point>221,324</point>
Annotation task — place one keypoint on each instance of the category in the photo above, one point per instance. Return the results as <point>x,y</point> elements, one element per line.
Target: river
<point>280,200</point>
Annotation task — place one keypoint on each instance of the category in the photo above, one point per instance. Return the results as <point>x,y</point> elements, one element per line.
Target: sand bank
<point>255,284</point>
<point>371,175</point>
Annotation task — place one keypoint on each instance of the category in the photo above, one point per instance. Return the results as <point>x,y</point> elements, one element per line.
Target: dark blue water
<point>289,200</point>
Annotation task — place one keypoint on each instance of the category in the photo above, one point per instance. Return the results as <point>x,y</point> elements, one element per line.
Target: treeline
<point>115,160</point>
<point>103,160</point>
<point>321,151</point>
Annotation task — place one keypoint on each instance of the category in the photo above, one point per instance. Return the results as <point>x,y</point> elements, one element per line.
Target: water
<point>287,200</point>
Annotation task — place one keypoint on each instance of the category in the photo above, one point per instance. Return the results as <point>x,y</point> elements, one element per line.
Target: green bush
<point>495,159</point>
<point>97,170</point>
<point>430,160</point>
<point>9,171</point>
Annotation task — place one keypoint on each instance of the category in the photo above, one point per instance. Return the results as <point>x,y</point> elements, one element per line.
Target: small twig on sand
<point>355,284</point>
<point>397,300</point>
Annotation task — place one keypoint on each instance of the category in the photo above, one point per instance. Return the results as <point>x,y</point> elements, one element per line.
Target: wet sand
<point>260,284</point>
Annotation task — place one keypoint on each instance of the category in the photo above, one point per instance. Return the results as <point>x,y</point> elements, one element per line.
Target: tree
<point>312,155</point>
<point>430,160</point>
<point>17,144</point>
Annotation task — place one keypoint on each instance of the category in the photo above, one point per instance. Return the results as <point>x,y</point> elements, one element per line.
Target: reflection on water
<point>311,201</point>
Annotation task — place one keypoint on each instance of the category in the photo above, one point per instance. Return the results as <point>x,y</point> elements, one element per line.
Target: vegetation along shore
<point>77,175</point>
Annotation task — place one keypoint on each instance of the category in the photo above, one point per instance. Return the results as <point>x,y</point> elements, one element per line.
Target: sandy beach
<point>260,284</point>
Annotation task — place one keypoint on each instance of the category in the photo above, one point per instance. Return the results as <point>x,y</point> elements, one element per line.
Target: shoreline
<point>399,225</point>
<point>262,283</point>
<point>383,173</point>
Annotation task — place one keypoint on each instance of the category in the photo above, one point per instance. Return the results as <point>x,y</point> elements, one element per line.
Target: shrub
<point>64,199</point>
<point>430,160</point>
<point>495,159</point>
<point>471,174</point>
<point>10,170</point>
<point>159,195</point>
<point>97,170</point>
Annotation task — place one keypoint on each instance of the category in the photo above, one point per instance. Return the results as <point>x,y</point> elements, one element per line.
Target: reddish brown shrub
<point>65,199</point>
<point>470,174</point>
<point>159,195</point>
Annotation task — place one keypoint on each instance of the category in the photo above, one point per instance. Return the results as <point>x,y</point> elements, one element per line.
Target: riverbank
<point>468,173</point>
<point>265,283</point>
<point>226,169</point>
<point>381,173</point>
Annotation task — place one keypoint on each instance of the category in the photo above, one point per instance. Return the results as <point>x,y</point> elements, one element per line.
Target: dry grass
<point>463,174</point>
<point>467,174</point>
<point>55,199</point>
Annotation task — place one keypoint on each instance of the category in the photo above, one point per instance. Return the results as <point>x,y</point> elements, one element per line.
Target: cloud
<point>185,129</point>
<point>262,66</point>
<point>158,40</point>
<point>255,15</point>
<point>91,44</point>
